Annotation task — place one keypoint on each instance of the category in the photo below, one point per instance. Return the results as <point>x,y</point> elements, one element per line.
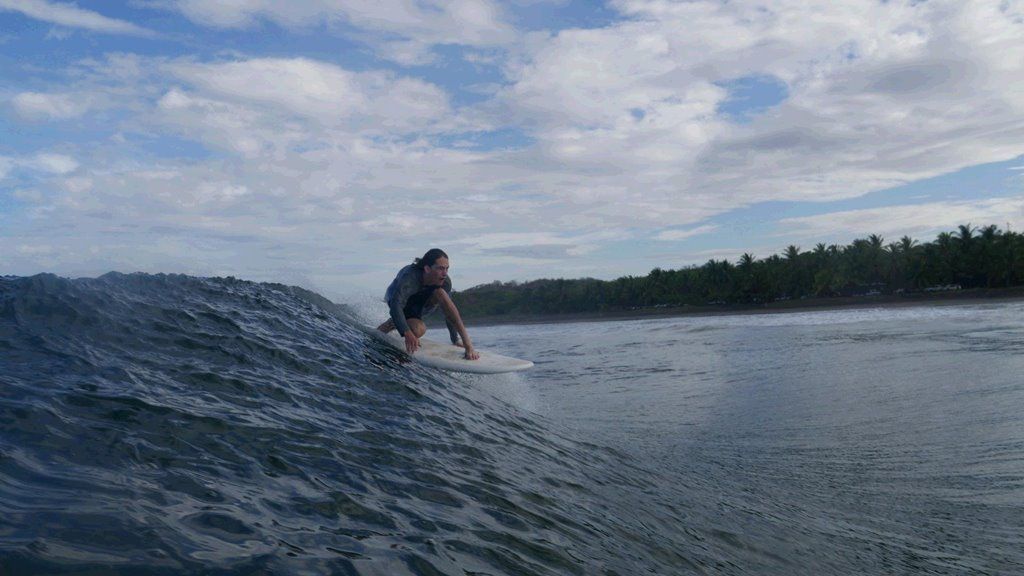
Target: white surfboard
<point>448,357</point>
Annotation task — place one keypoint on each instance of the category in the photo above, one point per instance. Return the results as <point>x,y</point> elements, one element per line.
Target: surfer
<point>417,290</point>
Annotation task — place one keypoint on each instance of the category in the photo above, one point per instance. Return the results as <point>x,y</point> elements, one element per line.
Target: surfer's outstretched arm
<point>452,315</point>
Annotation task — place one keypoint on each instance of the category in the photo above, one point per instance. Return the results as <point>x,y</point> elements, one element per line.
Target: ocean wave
<point>166,424</point>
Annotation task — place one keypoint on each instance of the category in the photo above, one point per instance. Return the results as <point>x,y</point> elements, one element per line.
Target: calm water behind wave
<point>176,425</point>
<point>881,441</point>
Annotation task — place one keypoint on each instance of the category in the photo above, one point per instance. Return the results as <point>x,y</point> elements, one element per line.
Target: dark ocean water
<point>176,425</point>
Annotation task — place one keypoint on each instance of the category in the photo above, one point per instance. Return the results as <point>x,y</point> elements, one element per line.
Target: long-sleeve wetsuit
<point>408,295</point>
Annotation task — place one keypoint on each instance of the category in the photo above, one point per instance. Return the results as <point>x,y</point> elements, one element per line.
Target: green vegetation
<point>966,258</point>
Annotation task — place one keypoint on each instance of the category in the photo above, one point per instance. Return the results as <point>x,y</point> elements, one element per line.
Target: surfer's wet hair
<point>429,258</point>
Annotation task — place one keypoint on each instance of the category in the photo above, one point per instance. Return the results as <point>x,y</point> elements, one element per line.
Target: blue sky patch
<point>751,95</point>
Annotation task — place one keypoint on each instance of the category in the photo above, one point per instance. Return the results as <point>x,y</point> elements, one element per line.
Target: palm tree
<point>907,244</point>
<point>1013,252</point>
<point>896,260</point>
<point>747,282</point>
<point>910,262</point>
<point>877,258</point>
<point>966,233</point>
<point>717,280</point>
<point>794,283</point>
<point>988,255</point>
<point>771,281</point>
<point>945,263</point>
<point>965,266</point>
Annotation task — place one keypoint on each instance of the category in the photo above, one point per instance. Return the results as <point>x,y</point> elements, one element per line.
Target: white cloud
<point>77,184</point>
<point>72,16</point>
<point>25,195</point>
<point>405,30</point>
<point>37,250</point>
<point>52,163</point>
<point>880,94</point>
<point>916,220</point>
<point>534,246</point>
<point>395,223</point>
<point>258,104</point>
<point>672,235</point>
<point>223,125</point>
<point>298,85</point>
<point>37,105</point>
<point>6,164</point>
<point>44,162</point>
<point>407,52</point>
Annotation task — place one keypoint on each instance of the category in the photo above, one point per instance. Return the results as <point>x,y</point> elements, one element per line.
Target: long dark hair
<point>429,258</point>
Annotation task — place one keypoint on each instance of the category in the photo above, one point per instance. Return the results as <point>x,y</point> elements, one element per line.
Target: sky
<point>326,143</point>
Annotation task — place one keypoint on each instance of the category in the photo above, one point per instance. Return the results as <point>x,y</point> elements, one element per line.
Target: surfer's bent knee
<point>417,326</point>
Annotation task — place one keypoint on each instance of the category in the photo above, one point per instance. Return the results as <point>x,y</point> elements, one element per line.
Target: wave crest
<point>167,424</point>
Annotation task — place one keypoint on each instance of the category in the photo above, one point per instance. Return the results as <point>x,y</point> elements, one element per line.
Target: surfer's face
<point>436,273</point>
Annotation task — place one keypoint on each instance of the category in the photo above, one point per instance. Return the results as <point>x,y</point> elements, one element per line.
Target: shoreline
<point>963,297</point>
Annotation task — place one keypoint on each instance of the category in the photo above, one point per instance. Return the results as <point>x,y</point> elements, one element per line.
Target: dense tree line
<point>968,257</point>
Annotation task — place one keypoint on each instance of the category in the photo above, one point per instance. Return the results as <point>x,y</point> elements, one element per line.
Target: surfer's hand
<point>412,343</point>
<point>472,354</point>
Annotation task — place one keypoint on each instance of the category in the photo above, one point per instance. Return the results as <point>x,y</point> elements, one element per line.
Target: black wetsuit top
<point>408,297</point>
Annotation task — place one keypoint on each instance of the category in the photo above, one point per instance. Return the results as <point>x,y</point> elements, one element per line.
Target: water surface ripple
<point>164,424</point>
